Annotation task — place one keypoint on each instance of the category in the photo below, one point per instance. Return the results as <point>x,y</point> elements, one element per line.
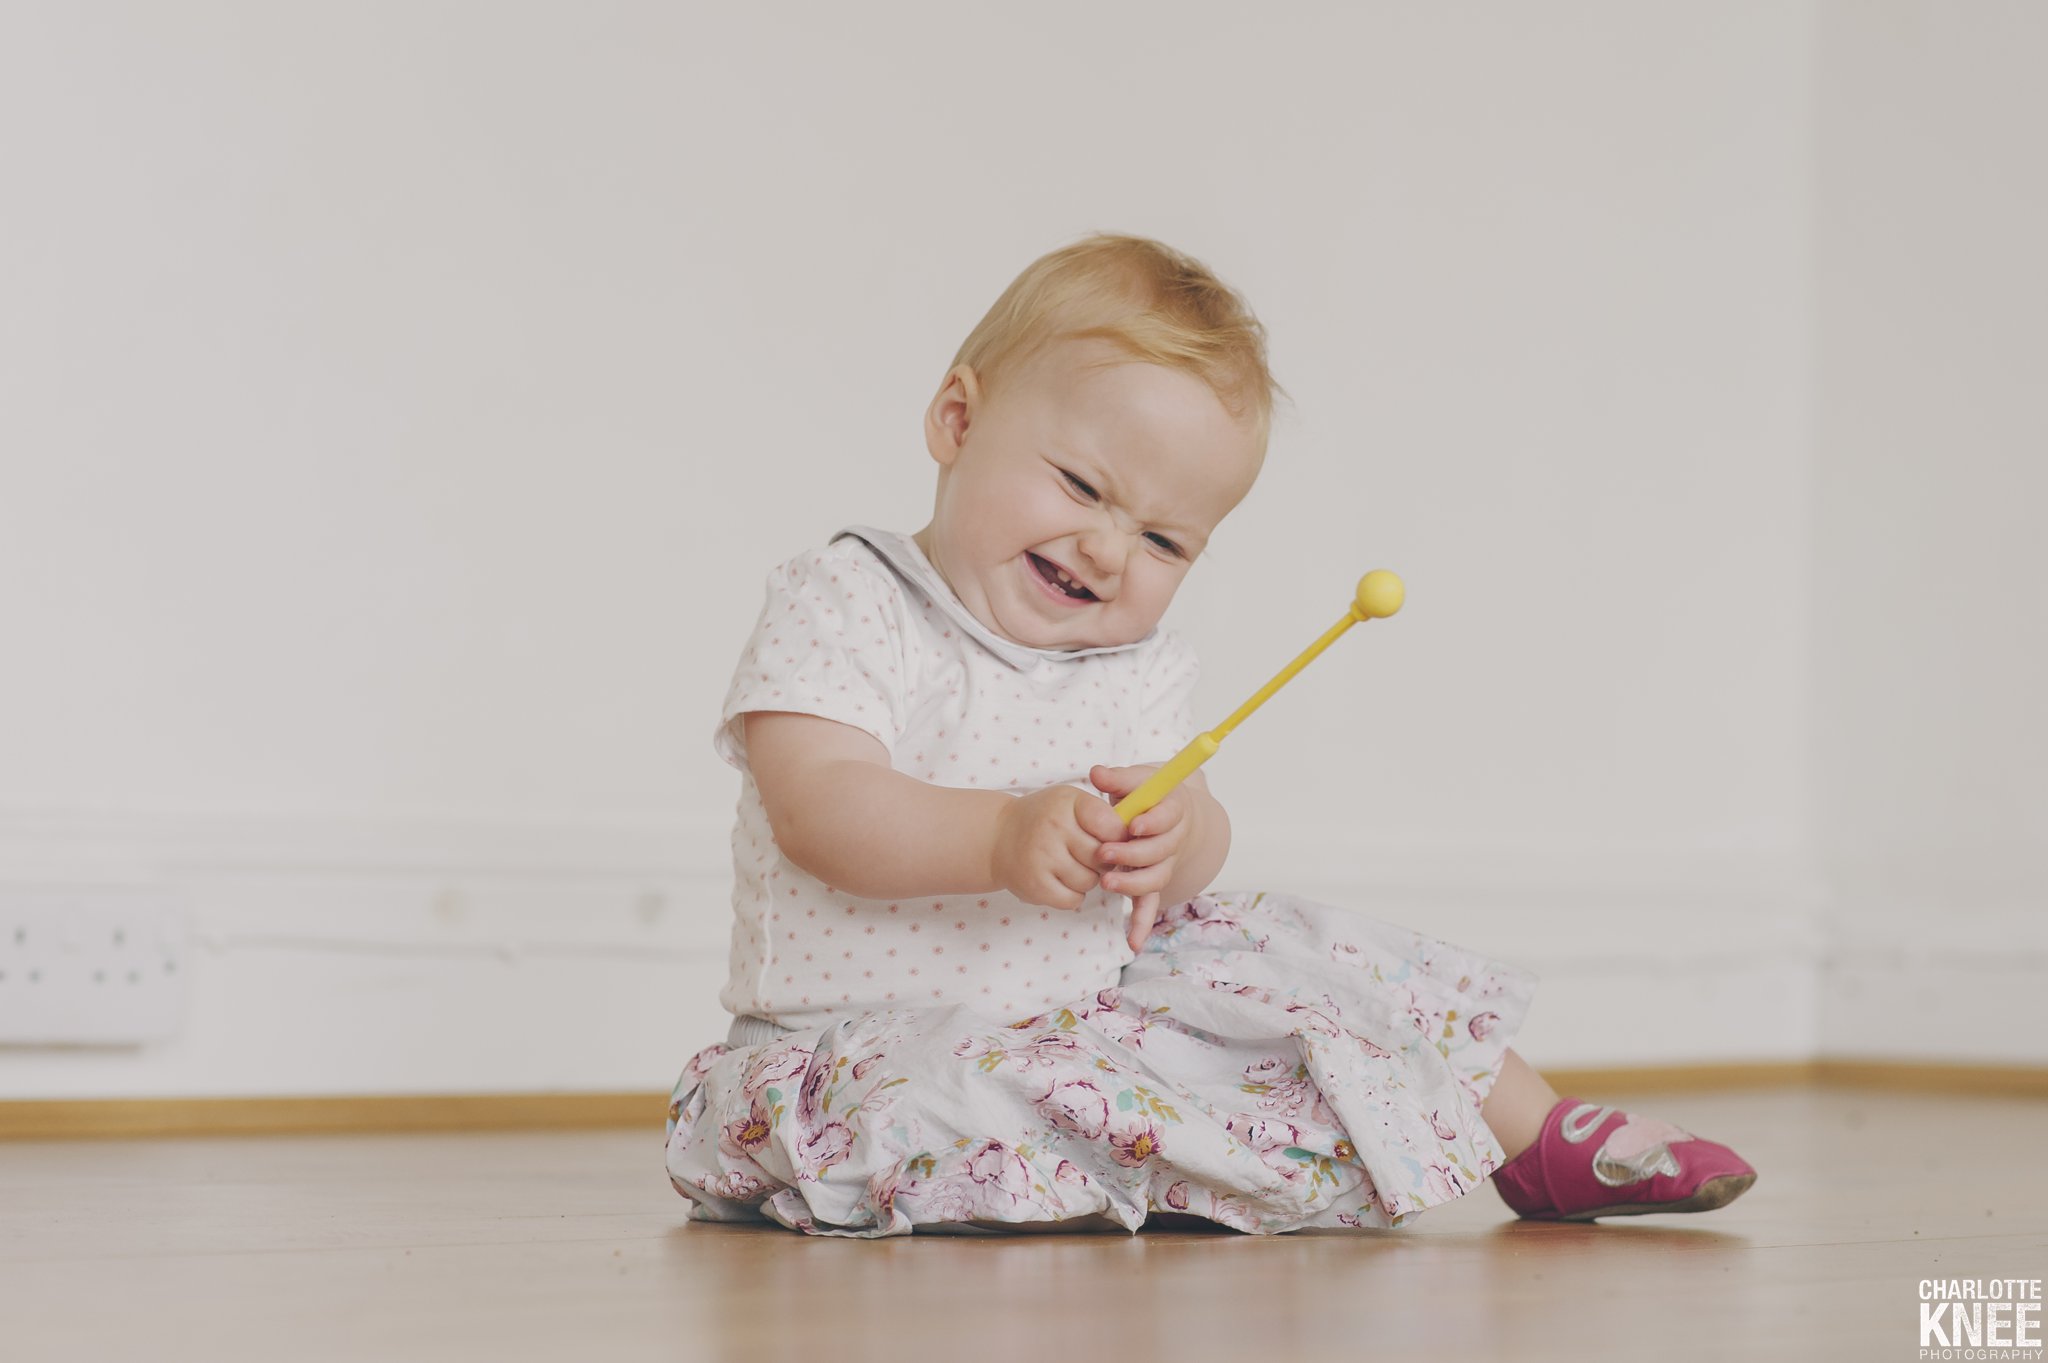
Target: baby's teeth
<point>1061,575</point>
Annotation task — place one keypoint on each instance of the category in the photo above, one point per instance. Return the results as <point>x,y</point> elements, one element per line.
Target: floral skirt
<point>1266,1062</point>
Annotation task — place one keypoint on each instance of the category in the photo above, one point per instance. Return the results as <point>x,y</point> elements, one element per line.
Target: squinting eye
<point>1079,486</point>
<point>1164,543</point>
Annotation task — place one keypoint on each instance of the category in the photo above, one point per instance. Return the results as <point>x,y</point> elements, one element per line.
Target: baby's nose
<point>1106,550</point>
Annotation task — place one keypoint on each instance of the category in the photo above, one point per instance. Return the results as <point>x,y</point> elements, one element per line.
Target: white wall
<point>400,407</point>
<point>1931,567</point>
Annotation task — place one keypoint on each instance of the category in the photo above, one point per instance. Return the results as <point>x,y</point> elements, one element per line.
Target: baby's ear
<point>954,408</point>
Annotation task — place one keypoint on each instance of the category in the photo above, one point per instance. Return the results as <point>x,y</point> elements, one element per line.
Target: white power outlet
<point>90,964</point>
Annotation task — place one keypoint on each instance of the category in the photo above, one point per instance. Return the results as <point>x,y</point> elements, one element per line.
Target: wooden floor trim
<point>1900,1076</point>
<point>1576,1083</point>
<point>68,1119</point>
<point>1930,1076</point>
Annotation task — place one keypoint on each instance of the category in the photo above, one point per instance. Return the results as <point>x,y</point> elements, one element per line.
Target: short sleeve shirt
<point>866,633</point>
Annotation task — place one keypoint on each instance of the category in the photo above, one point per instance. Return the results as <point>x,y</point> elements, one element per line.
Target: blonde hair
<point>1145,297</point>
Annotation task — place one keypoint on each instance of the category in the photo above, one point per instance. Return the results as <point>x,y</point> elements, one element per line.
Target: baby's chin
<point>1057,641</point>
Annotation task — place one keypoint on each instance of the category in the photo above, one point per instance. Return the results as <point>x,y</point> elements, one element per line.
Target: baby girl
<point>965,994</point>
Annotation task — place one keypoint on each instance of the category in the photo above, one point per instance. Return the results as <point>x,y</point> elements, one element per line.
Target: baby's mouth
<point>1057,578</point>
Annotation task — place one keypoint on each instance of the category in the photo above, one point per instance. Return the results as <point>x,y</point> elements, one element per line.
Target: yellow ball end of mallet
<point>1380,594</point>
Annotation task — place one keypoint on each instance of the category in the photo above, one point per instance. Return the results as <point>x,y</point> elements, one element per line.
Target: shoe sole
<point>1715,1192</point>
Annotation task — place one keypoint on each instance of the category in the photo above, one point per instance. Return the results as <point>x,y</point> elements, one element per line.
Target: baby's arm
<point>839,811</point>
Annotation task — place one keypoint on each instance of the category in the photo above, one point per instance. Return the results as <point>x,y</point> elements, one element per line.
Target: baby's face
<point>1073,499</point>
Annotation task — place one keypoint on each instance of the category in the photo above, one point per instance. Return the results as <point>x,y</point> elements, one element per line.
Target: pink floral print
<point>1267,1063</point>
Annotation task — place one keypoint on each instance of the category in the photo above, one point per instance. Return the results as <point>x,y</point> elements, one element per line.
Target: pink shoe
<point>1596,1161</point>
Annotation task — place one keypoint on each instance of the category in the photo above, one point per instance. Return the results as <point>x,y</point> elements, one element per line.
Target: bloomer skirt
<point>1267,1063</point>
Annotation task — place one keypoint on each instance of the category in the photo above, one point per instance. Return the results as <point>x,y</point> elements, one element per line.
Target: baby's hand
<point>1047,844</point>
<point>1144,858</point>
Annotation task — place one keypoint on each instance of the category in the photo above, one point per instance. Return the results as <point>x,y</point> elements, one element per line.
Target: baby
<point>965,994</point>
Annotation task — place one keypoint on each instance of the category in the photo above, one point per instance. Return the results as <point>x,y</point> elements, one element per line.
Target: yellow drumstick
<point>1379,595</point>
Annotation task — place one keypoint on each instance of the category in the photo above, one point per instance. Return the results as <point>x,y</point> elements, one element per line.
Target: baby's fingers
<point>1169,814</point>
<point>1138,852</point>
<point>1144,913</point>
<point>1054,894</point>
<point>1148,880</point>
<point>1099,821</point>
<point>1074,877</point>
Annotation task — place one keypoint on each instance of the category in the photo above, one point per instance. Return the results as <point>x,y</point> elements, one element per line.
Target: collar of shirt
<point>901,553</point>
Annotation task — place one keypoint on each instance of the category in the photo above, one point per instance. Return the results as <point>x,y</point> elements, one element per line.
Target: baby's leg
<point>1515,1108</point>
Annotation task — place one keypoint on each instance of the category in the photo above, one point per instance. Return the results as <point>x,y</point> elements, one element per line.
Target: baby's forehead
<point>1159,437</point>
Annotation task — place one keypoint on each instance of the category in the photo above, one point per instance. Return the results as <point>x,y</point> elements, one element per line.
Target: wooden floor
<point>571,1245</point>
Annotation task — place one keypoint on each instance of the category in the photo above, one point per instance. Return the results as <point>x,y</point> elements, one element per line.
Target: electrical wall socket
<point>90,964</point>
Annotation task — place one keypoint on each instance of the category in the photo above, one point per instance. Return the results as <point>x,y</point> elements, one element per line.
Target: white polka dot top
<point>865,632</point>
